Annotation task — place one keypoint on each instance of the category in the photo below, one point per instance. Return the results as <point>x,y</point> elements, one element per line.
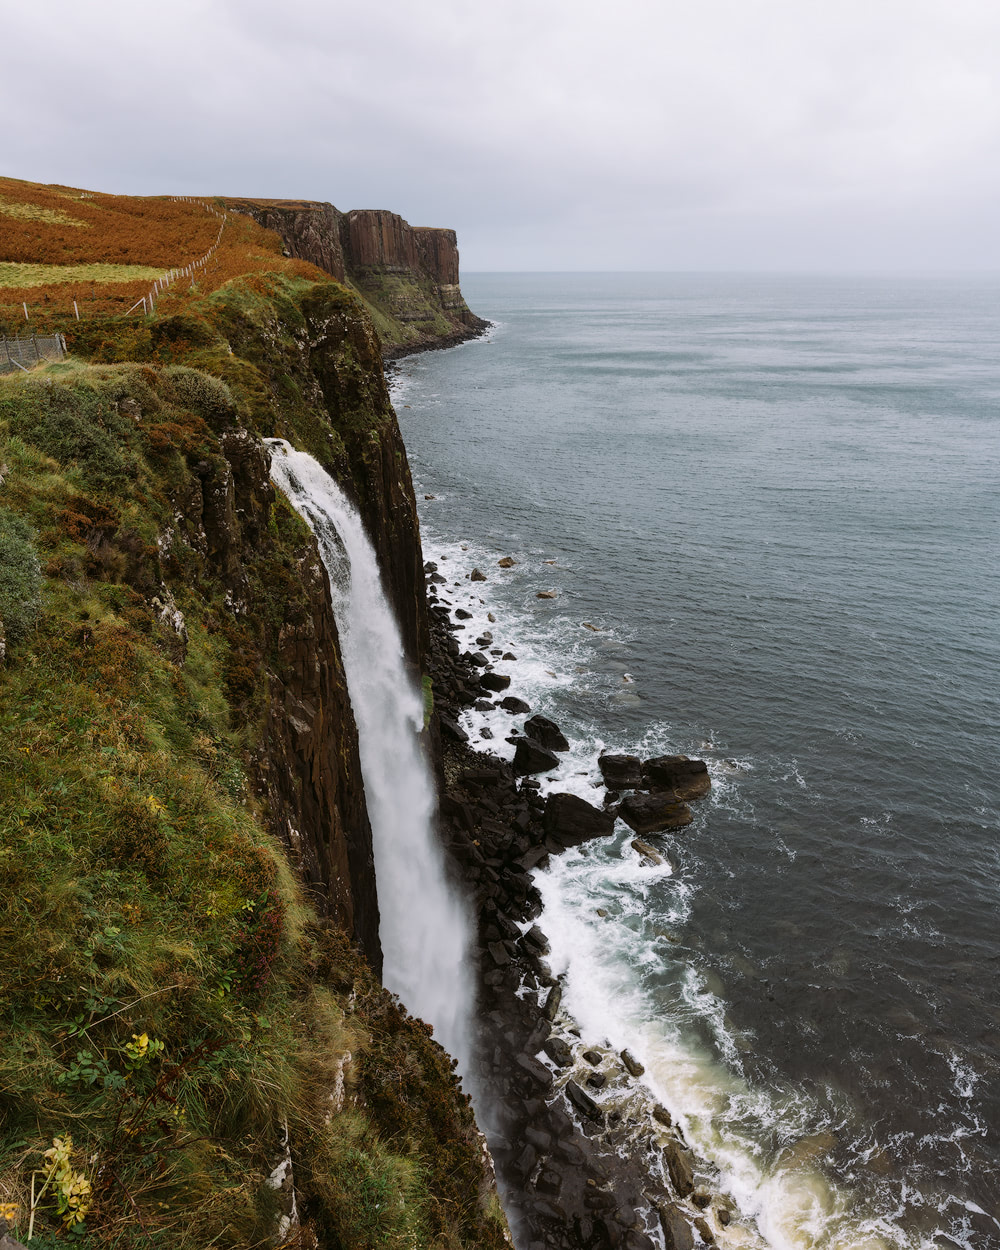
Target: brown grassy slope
<point>63,226</point>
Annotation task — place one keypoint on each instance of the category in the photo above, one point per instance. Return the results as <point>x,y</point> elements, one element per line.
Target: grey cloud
<point>550,135</point>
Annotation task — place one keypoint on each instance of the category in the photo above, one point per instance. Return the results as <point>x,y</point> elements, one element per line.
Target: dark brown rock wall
<point>375,237</point>
<point>306,772</point>
<point>438,250</point>
<point>310,231</point>
<point>344,356</point>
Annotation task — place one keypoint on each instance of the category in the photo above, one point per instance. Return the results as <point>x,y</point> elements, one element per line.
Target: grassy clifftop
<point>193,1047</point>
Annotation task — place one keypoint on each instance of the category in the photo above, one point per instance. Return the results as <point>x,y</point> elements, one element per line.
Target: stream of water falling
<point>424,928</point>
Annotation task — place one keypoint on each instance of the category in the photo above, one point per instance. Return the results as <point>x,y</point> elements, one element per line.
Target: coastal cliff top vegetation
<point>177,1021</point>
<point>60,245</point>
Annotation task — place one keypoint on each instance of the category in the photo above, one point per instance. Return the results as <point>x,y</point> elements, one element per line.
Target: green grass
<point>13,274</point>
<point>139,890</point>
<point>35,212</point>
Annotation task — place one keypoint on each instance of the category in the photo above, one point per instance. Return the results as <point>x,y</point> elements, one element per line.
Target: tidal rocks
<point>532,757</point>
<point>546,594</point>
<point>559,1052</point>
<point>451,729</point>
<point>653,813</point>
<point>507,562</point>
<point>477,576</point>
<point>572,820</point>
<point>620,772</point>
<point>686,778</point>
<point>547,732</point>
<point>514,706</point>
<point>582,1101</point>
<point>494,681</point>
<point>677,1233</point>
<point>678,1168</point>
<point>646,851</point>
<point>632,1065</point>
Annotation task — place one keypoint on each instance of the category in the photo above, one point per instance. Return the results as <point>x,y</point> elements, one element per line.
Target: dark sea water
<point>777,499</point>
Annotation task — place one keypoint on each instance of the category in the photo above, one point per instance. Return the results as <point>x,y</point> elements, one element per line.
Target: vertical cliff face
<point>408,276</point>
<point>179,699</point>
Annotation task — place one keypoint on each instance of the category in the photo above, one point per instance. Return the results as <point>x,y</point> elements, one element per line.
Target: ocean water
<point>769,509</point>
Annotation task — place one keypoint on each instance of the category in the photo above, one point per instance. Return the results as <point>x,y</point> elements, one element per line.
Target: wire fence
<point>148,302</point>
<point>17,355</point>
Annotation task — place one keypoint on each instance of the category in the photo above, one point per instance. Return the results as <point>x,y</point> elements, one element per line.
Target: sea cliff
<point>407,275</point>
<point>195,1040</point>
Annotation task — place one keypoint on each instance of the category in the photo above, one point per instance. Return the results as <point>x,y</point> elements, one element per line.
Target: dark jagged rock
<point>494,681</point>
<point>530,757</point>
<point>685,778</point>
<point>646,851</point>
<point>677,1233</point>
<point>704,1230</point>
<point>514,706</point>
<point>452,729</point>
<point>547,732</point>
<point>572,820</point>
<point>620,772</point>
<point>559,1052</point>
<point>632,1065</point>
<point>654,813</point>
<point>582,1101</point>
<point>679,1168</point>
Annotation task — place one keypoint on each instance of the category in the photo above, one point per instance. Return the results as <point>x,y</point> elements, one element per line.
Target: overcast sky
<point>551,134</point>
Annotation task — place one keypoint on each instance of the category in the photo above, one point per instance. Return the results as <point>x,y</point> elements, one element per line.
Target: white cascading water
<point>424,929</point>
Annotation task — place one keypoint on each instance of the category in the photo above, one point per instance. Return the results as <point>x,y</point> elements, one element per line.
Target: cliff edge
<point>406,275</point>
<point>194,1043</point>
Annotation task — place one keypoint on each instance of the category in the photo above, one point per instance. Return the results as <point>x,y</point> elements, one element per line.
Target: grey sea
<point>768,508</point>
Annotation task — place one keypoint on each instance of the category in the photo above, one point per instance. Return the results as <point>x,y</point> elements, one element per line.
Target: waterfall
<point>424,930</point>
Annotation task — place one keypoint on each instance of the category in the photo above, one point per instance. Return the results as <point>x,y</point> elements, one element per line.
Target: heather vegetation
<point>59,246</point>
<point>173,1008</point>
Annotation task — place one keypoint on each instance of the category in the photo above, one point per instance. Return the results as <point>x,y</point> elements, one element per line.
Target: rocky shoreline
<point>584,1155</point>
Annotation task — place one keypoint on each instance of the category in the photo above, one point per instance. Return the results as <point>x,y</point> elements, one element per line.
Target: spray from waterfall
<point>423,926</point>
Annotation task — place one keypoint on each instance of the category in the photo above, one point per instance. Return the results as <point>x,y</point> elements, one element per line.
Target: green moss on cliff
<point>142,900</point>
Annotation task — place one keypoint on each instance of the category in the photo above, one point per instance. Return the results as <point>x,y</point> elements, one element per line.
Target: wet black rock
<point>654,813</point>
<point>452,729</point>
<point>480,660</point>
<point>677,1233</point>
<point>620,772</point>
<point>536,1071</point>
<point>514,706</point>
<point>704,1230</point>
<point>549,1181</point>
<point>559,1052</point>
<point>531,757</point>
<point>679,1169</point>
<point>572,820</point>
<point>686,778</point>
<point>632,1065</point>
<point>494,681</point>
<point>547,732</point>
<point>582,1101</point>
<point>463,615</point>
<point>593,1057</point>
